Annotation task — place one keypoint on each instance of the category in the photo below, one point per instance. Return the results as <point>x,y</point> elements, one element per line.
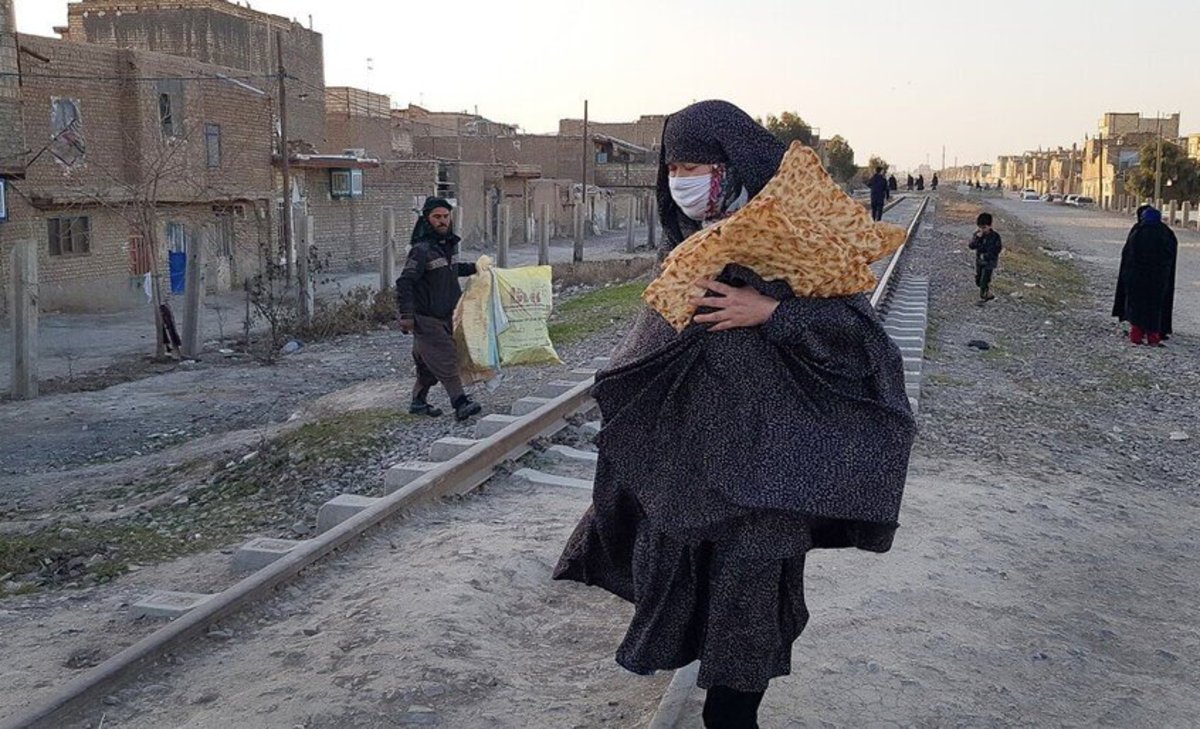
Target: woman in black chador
<point>771,426</point>
<point>1146,283</point>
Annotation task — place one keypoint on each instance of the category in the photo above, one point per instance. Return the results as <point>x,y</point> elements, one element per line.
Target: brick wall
<point>125,148</point>
<point>356,119</point>
<point>12,137</point>
<point>219,33</point>
<point>348,233</point>
<point>645,132</point>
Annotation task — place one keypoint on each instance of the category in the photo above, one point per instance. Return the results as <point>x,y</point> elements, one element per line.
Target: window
<point>346,183</point>
<point>212,144</point>
<point>66,141</point>
<point>176,238</point>
<point>170,107</point>
<point>69,236</point>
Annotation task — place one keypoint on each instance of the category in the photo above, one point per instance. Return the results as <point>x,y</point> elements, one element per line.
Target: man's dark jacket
<point>428,285</point>
<point>879,189</point>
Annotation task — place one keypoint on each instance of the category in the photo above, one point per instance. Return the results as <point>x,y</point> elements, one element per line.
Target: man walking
<point>879,193</point>
<point>426,294</point>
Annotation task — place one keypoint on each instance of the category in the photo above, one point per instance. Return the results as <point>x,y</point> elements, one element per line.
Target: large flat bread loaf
<point>802,228</point>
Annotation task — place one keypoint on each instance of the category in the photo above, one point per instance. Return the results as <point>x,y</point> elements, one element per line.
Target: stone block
<point>527,405</point>
<point>443,449</point>
<point>580,375</point>
<point>258,553</point>
<point>340,508</point>
<point>549,479</point>
<point>402,474</point>
<point>166,604</point>
<point>567,453</point>
<point>493,424</point>
<point>555,388</point>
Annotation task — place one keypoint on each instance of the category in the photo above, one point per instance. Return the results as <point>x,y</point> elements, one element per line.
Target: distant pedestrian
<point>879,193</point>
<point>427,293</point>
<point>920,182</point>
<point>909,186</point>
<point>934,182</point>
<point>987,246</point>
<point>892,184</point>
<point>1146,283</point>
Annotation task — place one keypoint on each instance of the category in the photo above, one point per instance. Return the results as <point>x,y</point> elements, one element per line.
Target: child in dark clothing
<point>987,246</point>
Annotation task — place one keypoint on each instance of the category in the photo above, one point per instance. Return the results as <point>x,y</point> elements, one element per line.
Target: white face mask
<point>691,194</point>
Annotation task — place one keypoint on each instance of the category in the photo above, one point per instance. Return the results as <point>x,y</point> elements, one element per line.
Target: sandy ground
<point>447,618</point>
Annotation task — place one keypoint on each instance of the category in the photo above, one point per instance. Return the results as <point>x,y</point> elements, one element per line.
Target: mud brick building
<point>220,33</point>
<point>134,156</point>
<point>150,127</point>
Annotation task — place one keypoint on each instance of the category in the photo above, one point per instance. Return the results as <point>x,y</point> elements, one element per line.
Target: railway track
<point>539,453</point>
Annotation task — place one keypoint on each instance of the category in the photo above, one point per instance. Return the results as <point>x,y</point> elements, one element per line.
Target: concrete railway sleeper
<point>456,467</point>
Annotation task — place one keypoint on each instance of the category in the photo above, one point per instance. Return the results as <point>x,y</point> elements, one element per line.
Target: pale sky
<point>900,78</point>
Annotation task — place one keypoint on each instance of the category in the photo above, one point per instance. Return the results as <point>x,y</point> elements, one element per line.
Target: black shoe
<point>423,408</point>
<point>465,408</point>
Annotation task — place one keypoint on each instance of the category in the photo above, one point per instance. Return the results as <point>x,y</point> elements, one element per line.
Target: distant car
<point>1030,196</point>
<point>1084,202</point>
<point>1069,199</point>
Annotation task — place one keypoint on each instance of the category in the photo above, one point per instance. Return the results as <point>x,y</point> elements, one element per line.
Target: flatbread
<point>802,228</point>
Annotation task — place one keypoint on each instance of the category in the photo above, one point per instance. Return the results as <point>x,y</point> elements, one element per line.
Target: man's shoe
<point>423,408</point>
<point>466,408</point>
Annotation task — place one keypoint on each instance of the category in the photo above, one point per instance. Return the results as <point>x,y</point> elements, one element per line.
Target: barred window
<point>212,144</point>
<point>69,236</point>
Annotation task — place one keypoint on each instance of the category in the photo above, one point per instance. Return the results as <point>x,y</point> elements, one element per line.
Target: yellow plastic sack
<point>473,329</point>
<point>526,297</point>
<point>501,320</point>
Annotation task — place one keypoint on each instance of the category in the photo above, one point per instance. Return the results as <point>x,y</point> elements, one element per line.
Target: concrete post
<point>387,253</point>
<point>1171,210</point>
<point>652,221</point>
<point>304,293</point>
<point>544,239</point>
<point>25,320</point>
<point>505,233</point>
<point>1187,213</point>
<point>193,292</point>
<point>579,229</point>
<point>629,221</point>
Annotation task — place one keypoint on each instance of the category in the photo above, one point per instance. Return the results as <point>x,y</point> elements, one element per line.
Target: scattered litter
<point>250,456</point>
<point>292,347</point>
<point>225,351</point>
<point>979,344</point>
<point>1180,435</point>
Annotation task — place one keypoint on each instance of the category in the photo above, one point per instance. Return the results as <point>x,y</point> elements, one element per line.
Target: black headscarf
<point>713,132</point>
<point>424,230</point>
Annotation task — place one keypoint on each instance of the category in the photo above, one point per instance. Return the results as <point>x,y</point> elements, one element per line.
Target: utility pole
<point>943,158</point>
<point>1100,171</point>
<point>284,160</point>
<point>580,224</point>
<point>1158,165</point>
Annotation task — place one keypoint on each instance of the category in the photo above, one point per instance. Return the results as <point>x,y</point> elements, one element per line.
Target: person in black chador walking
<point>772,425</point>
<point>426,294</point>
<point>1146,284</point>
<point>987,246</point>
<point>880,192</point>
